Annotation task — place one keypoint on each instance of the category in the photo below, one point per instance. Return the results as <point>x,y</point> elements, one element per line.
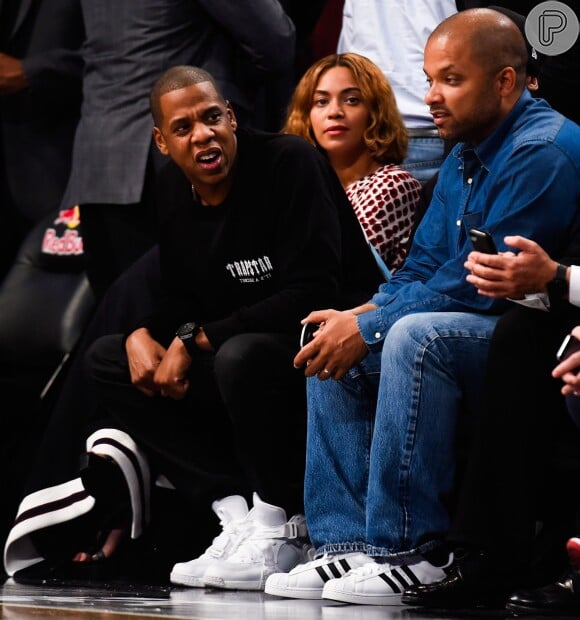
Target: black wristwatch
<point>558,287</point>
<point>187,333</point>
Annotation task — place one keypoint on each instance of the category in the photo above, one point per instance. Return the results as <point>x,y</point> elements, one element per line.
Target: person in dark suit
<point>128,45</point>
<point>40,98</point>
<point>562,596</point>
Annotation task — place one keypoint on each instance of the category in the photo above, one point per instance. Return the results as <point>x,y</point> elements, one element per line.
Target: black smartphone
<point>308,333</point>
<point>482,241</point>
<point>569,345</point>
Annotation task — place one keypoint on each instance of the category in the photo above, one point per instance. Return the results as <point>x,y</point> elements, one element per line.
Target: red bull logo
<point>71,242</point>
<point>71,218</point>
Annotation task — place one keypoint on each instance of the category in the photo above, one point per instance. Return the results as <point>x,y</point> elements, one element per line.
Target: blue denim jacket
<point>524,179</point>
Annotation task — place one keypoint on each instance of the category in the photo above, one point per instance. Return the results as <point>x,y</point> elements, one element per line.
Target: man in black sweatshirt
<point>201,395</point>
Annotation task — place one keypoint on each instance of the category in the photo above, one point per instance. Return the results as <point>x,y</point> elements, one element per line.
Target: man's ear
<point>508,80</point>
<point>231,116</point>
<point>160,141</point>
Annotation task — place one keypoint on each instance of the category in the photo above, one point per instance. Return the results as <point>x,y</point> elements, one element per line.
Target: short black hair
<point>176,78</point>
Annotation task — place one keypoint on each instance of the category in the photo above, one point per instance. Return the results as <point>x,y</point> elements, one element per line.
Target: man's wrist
<point>558,286</point>
<point>562,274</point>
<point>187,333</point>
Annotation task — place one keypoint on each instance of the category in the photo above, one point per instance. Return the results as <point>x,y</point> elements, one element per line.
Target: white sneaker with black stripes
<point>382,584</point>
<point>307,580</point>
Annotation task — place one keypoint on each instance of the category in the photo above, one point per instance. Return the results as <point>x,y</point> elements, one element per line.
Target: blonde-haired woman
<point>345,106</point>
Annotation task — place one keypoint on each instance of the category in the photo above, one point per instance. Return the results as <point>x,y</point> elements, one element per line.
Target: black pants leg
<point>265,397</point>
<point>189,441</point>
<point>521,427</point>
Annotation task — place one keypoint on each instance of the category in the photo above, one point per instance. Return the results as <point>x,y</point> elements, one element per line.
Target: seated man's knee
<point>441,334</point>
<point>409,329</point>
<point>236,356</point>
<point>519,324</point>
<point>247,358</point>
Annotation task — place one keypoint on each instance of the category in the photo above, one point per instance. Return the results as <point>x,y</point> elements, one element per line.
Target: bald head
<point>491,38</point>
<point>177,78</point>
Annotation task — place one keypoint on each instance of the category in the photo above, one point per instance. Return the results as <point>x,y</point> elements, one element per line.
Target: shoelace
<point>247,552</point>
<point>370,569</point>
<point>231,530</point>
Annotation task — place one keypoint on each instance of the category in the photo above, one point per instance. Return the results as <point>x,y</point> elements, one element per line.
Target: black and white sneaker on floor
<point>382,584</point>
<point>306,581</point>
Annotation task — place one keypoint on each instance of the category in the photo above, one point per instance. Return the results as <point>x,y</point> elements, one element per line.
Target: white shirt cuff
<point>574,290</point>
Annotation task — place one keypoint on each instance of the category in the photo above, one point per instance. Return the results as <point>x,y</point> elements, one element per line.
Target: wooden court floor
<point>117,602</point>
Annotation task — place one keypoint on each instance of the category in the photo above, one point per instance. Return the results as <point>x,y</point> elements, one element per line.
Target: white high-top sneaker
<point>274,545</point>
<point>233,513</point>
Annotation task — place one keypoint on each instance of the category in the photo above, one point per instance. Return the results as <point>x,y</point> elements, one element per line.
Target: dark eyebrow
<point>177,121</point>
<point>319,91</point>
<point>213,108</point>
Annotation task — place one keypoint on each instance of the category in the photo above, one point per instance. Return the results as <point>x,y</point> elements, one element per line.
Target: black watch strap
<point>561,271</point>
<point>558,286</point>
<point>187,333</point>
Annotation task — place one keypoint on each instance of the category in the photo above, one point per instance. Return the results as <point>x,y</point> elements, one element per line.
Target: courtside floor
<point>118,602</point>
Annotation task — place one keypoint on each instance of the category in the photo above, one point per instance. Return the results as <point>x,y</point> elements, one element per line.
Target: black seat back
<point>45,302</point>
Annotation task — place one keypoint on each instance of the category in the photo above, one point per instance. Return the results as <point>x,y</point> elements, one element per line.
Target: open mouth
<point>209,159</point>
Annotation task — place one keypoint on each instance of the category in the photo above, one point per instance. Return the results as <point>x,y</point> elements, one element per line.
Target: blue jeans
<point>380,455</point>
<point>424,157</point>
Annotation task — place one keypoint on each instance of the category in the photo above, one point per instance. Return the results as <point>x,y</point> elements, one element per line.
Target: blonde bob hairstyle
<point>385,137</point>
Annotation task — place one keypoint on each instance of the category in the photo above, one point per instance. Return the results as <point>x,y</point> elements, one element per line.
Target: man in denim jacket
<point>380,454</point>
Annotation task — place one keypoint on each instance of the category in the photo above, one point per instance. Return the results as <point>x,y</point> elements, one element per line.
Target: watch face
<point>187,330</point>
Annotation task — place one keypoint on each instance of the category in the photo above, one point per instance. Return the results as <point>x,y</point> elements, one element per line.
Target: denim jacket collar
<point>486,151</point>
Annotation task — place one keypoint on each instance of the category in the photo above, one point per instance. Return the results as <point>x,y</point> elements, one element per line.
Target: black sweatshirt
<point>284,242</point>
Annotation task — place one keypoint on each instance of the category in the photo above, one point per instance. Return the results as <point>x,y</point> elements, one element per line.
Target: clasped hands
<point>156,370</point>
<point>336,346</point>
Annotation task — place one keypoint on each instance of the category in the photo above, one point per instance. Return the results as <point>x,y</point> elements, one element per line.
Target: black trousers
<point>241,427</point>
<point>523,463</point>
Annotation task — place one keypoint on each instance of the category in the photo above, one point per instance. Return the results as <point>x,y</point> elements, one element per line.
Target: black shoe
<point>557,599</point>
<point>472,581</point>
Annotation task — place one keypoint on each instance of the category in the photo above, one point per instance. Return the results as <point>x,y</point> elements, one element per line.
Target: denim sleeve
<point>524,198</point>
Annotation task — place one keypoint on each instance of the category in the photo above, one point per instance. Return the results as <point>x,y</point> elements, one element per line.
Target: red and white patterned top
<point>385,203</point>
